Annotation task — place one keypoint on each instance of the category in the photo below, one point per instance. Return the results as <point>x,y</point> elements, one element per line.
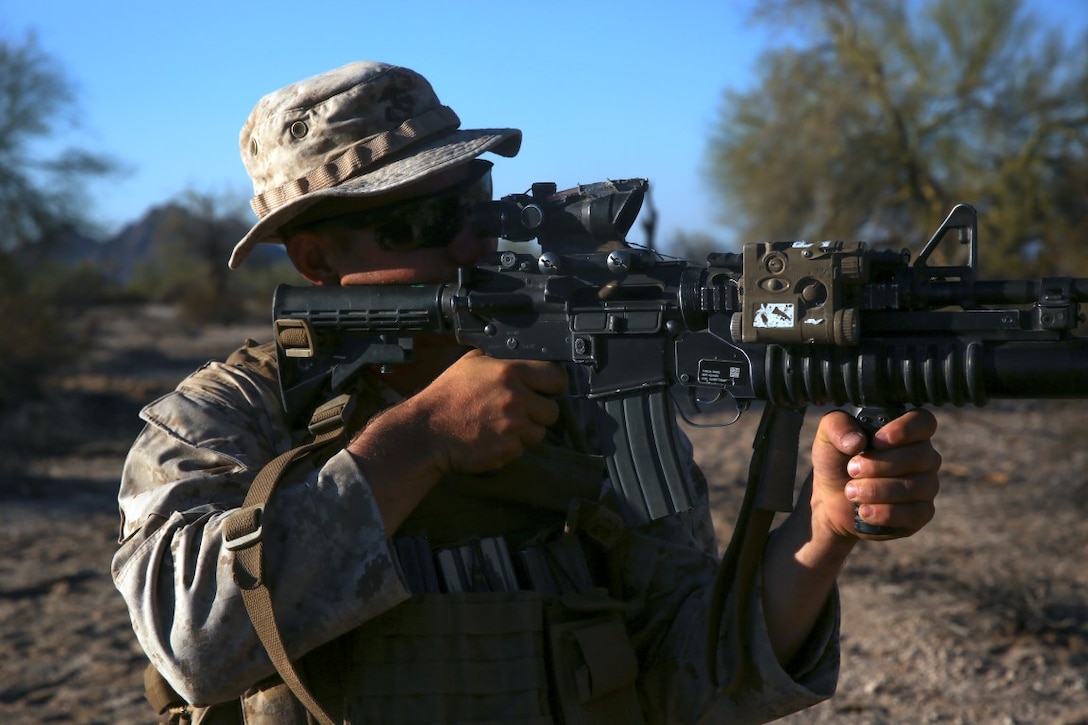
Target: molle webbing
<point>514,657</point>
<point>452,658</point>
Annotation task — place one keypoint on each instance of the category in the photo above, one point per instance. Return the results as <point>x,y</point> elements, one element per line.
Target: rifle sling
<point>243,534</point>
<point>771,475</point>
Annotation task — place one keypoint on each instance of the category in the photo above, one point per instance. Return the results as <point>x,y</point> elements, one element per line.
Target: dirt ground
<point>981,618</point>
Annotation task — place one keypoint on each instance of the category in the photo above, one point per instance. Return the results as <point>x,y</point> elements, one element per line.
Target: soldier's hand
<point>478,415</point>
<point>893,477</point>
<point>484,412</point>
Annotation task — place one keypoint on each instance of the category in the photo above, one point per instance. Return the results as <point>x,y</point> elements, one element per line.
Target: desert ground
<point>981,618</point>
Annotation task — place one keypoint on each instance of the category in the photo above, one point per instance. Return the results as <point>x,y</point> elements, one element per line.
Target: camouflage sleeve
<point>328,562</point>
<point>668,569</point>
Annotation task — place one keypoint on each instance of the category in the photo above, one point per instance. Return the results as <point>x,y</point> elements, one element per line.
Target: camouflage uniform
<point>335,569</point>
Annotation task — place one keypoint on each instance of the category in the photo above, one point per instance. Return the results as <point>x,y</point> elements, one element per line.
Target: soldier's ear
<point>308,252</point>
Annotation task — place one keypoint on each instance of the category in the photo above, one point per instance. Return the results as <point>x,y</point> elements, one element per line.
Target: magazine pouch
<point>593,662</point>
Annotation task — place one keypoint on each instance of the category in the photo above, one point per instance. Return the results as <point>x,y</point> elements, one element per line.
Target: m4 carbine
<point>789,323</point>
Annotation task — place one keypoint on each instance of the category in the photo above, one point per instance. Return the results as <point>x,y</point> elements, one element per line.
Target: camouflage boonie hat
<point>319,146</point>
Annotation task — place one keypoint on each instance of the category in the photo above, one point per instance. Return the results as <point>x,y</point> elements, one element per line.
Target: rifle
<point>788,323</point>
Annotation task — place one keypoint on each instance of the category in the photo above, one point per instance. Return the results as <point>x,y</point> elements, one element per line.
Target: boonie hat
<point>320,146</point>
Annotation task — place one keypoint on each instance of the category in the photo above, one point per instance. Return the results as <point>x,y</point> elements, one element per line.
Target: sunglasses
<point>425,221</point>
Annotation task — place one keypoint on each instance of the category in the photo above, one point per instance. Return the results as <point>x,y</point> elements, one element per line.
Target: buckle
<point>242,529</point>
<point>294,337</point>
<point>332,414</point>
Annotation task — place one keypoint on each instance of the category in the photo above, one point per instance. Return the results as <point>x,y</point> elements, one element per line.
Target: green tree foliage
<point>39,192</point>
<point>33,333</point>
<point>39,200</point>
<point>879,115</point>
<point>189,264</point>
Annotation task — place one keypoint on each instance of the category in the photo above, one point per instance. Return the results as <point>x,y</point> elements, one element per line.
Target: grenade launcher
<point>789,323</point>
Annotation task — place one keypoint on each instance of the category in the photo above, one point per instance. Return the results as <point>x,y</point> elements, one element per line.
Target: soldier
<point>364,176</point>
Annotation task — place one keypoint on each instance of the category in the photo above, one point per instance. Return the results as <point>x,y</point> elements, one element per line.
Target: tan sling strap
<point>162,696</point>
<point>771,475</point>
<point>243,534</point>
<point>172,708</point>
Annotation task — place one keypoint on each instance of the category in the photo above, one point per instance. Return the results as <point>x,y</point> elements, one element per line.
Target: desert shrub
<point>200,304</point>
<point>74,285</point>
<point>32,333</point>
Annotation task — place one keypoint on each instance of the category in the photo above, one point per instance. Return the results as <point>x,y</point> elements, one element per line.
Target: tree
<point>217,223</point>
<point>875,125</point>
<point>188,262</point>
<point>39,201</point>
<point>694,246</point>
<point>39,195</point>
<point>190,242</point>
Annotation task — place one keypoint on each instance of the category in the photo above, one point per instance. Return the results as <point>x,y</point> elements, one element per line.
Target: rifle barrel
<point>1003,291</point>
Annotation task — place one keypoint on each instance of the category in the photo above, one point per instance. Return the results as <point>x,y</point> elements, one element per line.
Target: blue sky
<point>601,90</point>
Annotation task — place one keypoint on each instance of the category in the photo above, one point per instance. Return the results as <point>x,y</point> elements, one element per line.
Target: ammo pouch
<point>593,661</point>
<point>464,657</point>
